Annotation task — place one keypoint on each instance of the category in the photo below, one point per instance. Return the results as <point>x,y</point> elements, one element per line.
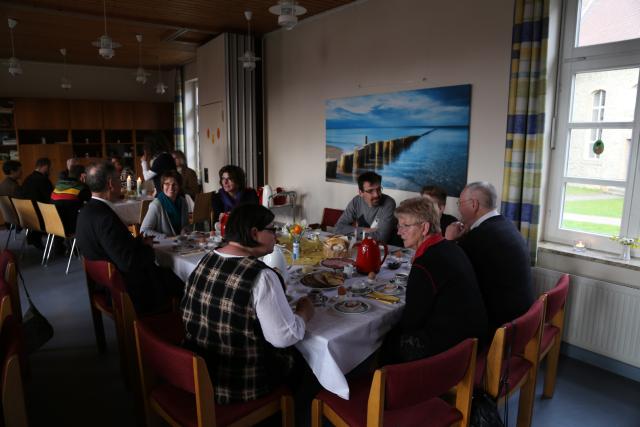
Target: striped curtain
<point>525,120</point>
<point>178,121</point>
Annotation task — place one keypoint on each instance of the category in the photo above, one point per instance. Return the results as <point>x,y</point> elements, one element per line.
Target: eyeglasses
<point>461,202</point>
<point>405,226</point>
<point>377,190</point>
<point>271,229</point>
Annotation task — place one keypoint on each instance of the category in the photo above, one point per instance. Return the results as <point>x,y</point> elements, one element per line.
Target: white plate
<point>360,291</point>
<point>395,290</point>
<point>351,307</point>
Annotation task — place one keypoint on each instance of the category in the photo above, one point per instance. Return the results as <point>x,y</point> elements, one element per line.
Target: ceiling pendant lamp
<point>104,43</point>
<point>141,73</point>
<point>161,88</point>
<point>65,83</point>
<point>288,12</point>
<point>14,65</point>
<point>248,58</point>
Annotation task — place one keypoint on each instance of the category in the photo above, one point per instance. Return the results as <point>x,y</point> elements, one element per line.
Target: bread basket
<point>336,247</point>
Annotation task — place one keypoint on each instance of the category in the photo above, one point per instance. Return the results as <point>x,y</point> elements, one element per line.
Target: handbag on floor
<point>36,328</point>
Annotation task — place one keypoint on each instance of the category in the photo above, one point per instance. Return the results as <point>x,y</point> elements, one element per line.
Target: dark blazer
<point>500,258</point>
<point>37,187</point>
<point>444,306</point>
<point>101,235</point>
<point>248,196</point>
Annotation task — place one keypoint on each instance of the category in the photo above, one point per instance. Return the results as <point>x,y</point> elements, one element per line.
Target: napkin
<point>382,297</point>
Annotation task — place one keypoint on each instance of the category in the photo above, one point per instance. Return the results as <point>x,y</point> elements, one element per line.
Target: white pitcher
<point>267,191</point>
<point>277,260</point>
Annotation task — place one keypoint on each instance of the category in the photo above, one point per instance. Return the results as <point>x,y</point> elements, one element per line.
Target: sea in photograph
<point>438,158</point>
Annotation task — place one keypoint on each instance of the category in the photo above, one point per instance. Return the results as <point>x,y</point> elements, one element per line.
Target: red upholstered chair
<point>12,392</point>
<point>330,217</point>
<point>523,339</point>
<point>177,387</point>
<point>406,394</point>
<point>8,273</point>
<point>552,332</point>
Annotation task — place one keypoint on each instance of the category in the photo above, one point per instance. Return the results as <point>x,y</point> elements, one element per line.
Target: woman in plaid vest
<point>236,314</point>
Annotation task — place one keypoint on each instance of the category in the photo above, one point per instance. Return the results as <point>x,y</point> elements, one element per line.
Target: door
<point>213,144</point>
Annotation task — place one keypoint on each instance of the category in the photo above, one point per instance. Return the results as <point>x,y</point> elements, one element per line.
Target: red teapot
<point>368,257</point>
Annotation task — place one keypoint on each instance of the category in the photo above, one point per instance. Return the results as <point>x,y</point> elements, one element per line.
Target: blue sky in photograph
<point>443,106</point>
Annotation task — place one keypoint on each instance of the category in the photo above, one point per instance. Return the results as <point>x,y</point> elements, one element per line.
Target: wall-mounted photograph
<point>412,138</point>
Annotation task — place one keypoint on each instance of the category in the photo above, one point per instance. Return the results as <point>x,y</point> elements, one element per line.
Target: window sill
<point>600,257</point>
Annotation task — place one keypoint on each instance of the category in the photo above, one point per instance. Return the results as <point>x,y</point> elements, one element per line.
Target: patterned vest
<point>221,325</point>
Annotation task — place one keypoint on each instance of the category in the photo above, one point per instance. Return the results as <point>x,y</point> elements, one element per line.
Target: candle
<point>129,183</point>
<point>138,185</point>
<point>579,246</point>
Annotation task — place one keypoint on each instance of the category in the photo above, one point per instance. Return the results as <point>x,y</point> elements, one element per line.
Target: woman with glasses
<point>236,313</point>
<point>168,213</point>
<point>443,302</point>
<point>232,191</point>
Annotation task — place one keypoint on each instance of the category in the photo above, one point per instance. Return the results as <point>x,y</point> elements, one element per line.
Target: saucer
<point>390,289</point>
<point>352,307</point>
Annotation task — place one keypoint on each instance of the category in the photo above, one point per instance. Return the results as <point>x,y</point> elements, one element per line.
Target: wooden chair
<point>12,391</point>
<point>135,228</point>
<point>10,217</point>
<point>28,218</point>
<point>9,277</point>
<point>406,394</point>
<point>53,227</point>
<point>202,209</point>
<point>552,332</point>
<point>518,344</point>
<point>176,386</point>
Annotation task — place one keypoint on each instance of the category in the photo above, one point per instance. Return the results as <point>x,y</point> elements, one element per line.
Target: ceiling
<point>171,29</point>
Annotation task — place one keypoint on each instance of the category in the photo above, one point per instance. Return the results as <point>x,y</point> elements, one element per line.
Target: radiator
<point>601,317</point>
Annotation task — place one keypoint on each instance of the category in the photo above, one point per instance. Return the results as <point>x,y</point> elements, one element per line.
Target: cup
<point>401,279</point>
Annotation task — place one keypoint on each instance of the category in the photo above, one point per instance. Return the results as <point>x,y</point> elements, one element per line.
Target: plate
<point>360,291</point>
<point>323,280</point>
<point>336,263</point>
<point>352,307</point>
<point>390,289</point>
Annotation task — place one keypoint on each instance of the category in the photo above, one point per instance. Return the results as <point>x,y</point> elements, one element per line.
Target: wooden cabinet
<point>42,113</point>
<point>152,115</point>
<point>57,153</point>
<point>117,114</point>
<point>85,114</point>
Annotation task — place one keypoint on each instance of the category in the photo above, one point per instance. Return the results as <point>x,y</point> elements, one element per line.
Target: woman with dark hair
<point>232,192</point>
<point>156,159</point>
<point>168,213</point>
<point>443,302</point>
<point>236,314</point>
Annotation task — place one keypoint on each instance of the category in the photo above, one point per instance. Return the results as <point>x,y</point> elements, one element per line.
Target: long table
<point>334,343</point>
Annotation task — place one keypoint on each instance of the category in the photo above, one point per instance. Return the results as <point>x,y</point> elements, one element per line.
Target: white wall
<point>378,46</point>
<point>42,80</point>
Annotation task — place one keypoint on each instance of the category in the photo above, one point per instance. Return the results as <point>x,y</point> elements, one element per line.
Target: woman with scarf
<point>168,213</point>
<point>232,192</point>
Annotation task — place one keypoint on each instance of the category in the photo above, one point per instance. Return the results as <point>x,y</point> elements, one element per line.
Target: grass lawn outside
<point>590,227</point>
<point>611,208</point>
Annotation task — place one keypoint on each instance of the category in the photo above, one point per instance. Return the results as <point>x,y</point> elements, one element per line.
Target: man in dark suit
<point>499,254</point>
<point>101,235</point>
<point>37,187</point>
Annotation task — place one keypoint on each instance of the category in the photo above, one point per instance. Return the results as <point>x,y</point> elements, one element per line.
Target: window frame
<point>574,60</point>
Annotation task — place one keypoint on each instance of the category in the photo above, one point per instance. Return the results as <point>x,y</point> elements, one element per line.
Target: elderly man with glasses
<point>370,211</point>
<point>499,254</point>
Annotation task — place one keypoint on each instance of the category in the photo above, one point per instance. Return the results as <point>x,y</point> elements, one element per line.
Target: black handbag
<point>484,408</point>
<point>37,330</point>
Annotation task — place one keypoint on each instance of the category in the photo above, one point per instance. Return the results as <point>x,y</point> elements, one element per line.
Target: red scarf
<point>433,239</point>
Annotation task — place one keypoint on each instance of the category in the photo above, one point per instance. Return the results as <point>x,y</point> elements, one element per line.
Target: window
<point>191,125</point>
<point>594,186</point>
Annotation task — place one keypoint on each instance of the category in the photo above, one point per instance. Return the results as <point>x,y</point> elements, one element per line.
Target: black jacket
<point>37,187</point>
<point>500,258</point>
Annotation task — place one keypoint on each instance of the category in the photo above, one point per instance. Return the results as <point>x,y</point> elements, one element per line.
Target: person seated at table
<point>370,210</point>
<point>10,185</point>
<point>190,184</point>
<point>439,196</point>
<point>69,195</point>
<point>156,159</point>
<point>101,235</point>
<point>168,213</point>
<point>236,314</point>
<point>443,302</point>
<point>233,191</point>
<point>123,171</point>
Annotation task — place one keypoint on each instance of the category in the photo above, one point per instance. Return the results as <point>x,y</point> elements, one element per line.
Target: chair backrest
<point>202,209</point>
<point>8,211</point>
<point>144,207</point>
<point>52,222</point>
<point>160,361</point>
<point>12,391</point>
<point>330,217</point>
<point>26,214</point>
<point>523,335</point>
<point>8,272</point>
<point>105,274</point>
<point>557,298</point>
<point>6,308</point>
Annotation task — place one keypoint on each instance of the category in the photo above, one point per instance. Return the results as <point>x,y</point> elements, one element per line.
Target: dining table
<point>128,209</point>
<point>335,342</point>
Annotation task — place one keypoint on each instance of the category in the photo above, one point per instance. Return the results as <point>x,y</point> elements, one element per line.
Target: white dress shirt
<point>483,218</point>
<point>281,327</point>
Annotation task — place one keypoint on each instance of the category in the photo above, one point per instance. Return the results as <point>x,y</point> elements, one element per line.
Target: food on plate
<point>336,247</point>
<point>332,279</point>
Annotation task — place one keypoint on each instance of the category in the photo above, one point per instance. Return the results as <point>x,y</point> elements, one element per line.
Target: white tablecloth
<point>129,210</point>
<point>334,342</point>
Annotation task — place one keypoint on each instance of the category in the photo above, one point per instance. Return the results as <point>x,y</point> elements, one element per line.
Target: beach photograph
<point>411,138</point>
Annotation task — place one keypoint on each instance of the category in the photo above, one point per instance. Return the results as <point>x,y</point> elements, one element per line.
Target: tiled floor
<point>72,385</point>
